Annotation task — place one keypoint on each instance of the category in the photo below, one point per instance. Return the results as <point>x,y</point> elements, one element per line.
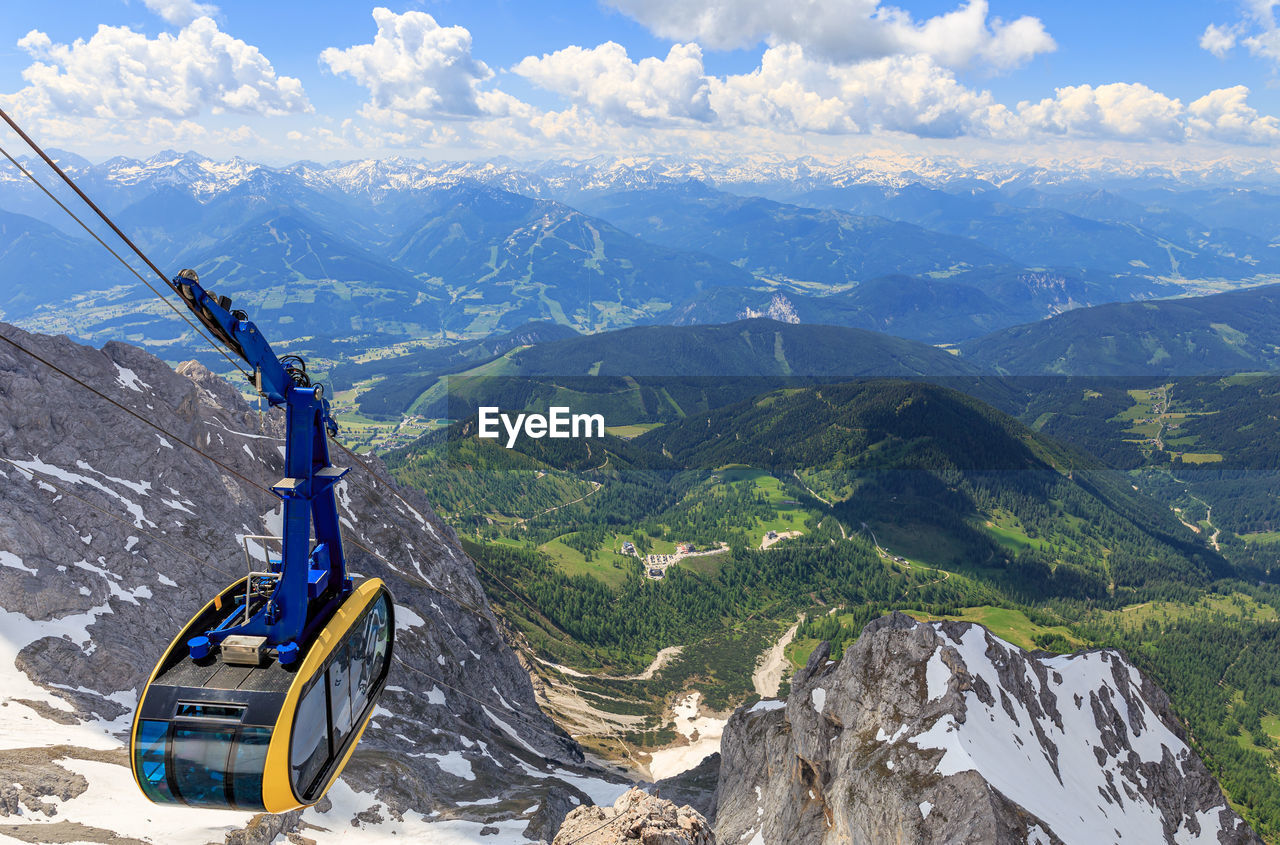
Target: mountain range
<point>773,240</point>
<point>1219,333</point>
<point>464,250</point>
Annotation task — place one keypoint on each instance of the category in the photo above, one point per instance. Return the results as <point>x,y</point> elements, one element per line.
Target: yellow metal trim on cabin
<point>277,784</point>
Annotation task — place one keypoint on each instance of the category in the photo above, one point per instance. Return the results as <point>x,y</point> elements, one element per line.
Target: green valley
<point>702,539</point>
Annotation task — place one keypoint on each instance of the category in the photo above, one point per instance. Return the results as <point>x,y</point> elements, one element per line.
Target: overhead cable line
<point>65,178</point>
<point>234,472</point>
<point>118,257</point>
<point>137,251</point>
<point>133,526</point>
<point>135,414</point>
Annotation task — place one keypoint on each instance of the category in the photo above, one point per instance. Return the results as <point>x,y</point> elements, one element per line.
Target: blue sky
<point>286,80</point>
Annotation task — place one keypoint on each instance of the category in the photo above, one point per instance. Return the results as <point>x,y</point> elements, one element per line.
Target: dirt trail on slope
<point>664,657</point>
<point>767,678</point>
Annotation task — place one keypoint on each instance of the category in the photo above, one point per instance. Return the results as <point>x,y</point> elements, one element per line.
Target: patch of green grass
<point>798,651</point>
<point>1243,378</point>
<point>1271,724</point>
<point>570,561</point>
<point>626,432</point>
<point>1236,605</point>
<point>1200,457</point>
<point>707,566</point>
<point>1261,537</point>
<point>1009,533</point>
<point>1010,625</point>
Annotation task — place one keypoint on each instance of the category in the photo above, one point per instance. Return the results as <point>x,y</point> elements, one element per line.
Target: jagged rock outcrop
<point>779,308</point>
<point>941,732</point>
<point>113,533</point>
<point>639,817</point>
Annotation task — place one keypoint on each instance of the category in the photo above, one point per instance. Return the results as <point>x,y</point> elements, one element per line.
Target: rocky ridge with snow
<point>375,181</point>
<point>112,535</point>
<point>941,732</point>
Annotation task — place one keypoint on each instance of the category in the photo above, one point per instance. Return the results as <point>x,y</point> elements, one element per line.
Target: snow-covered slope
<point>942,732</point>
<point>112,534</point>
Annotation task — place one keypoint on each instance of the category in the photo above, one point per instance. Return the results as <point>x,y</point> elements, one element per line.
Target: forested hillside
<point>1222,333</point>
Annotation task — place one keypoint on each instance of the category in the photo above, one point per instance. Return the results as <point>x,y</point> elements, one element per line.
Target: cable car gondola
<point>260,700</point>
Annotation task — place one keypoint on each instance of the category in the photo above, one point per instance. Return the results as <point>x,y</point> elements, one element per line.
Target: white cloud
<point>898,93</point>
<point>1256,31</point>
<point>181,12</point>
<point>846,30</point>
<point>612,85</point>
<point>789,92</point>
<point>1224,115</point>
<point>119,74</point>
<point>1119,110</point>
<point>1218,40</point>
<point>415,68</point>
<point>793,94</point>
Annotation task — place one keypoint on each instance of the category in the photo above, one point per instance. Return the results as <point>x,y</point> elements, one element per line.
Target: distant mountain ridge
<point>601,173</point>
<point>1225,332</point>
<point>748,352</point>
<point>777,240</point>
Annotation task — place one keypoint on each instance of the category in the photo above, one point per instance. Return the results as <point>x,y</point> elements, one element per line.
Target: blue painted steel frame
<point>307,490</point>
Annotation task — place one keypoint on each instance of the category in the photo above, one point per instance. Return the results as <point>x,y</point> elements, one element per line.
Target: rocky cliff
<point>943,733</point>
<point>635,817</point>
<point>113,533</point>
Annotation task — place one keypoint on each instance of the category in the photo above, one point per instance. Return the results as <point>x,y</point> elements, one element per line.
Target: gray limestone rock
<point>114,533</point>
<point>943,733</point>
<point>636,816</point>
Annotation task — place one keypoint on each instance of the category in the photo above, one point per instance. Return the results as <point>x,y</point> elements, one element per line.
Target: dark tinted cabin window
<point>310,746</point>
<point>201,757</point>
<point>340,695</point>
<point>369,654</point>
<point>149,754</point>
<point>250,760</point>
<point>323,723</point>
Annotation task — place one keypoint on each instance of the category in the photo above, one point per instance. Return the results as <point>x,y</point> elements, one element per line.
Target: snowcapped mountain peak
<point>191,172</point>
<point>378,180</point>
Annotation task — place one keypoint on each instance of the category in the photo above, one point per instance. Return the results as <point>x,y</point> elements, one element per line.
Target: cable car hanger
<point>259,702</point>
<point>261,699</point>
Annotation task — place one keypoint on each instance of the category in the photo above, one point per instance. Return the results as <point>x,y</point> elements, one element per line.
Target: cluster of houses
<point>656,565</point>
